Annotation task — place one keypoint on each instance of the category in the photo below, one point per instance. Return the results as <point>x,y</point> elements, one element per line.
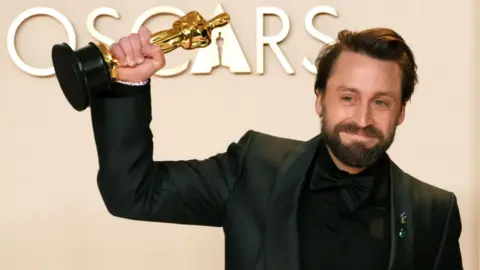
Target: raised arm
<point>133,185</point>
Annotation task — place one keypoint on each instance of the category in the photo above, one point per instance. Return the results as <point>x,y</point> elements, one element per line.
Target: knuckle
<point>116,49</point>
<point>135,40</point>
<point>161,64</point>
<point>114,46</point>
<point>144,32</point>
<point>124,42</point>
<point>133,36</point>
<point>148,32</point>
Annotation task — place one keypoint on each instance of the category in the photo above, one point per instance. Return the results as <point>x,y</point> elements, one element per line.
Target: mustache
<point>369,131</point>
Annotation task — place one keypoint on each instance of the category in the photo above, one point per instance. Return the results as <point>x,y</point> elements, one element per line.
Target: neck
<point>342,166</point>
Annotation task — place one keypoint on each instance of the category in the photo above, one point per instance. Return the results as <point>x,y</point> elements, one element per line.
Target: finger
<point>145,36</point>
<point>145,70</point>
<point>118,54</point>
<point>136,48</point>
<point>156,54</point>
<point>127,50</point>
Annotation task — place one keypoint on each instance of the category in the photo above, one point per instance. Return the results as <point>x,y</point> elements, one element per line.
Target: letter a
<point>231,54</point>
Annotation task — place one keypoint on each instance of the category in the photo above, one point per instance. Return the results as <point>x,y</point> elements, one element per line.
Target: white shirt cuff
<point>133,83</point>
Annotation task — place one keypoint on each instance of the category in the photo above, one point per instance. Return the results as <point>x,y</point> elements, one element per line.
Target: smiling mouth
<point>361,135</point>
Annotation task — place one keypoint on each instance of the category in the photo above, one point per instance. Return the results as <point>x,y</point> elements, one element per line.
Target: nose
<point>363,116</point>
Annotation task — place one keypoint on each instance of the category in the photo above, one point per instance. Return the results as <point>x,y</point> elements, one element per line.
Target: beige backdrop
<point>476,117</point>
<point>51,214</point>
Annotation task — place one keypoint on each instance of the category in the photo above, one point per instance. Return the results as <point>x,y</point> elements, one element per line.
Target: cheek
<point>343,116</point>
<point>385,122</point>
<point>333,119</point>
<point>339,113</point>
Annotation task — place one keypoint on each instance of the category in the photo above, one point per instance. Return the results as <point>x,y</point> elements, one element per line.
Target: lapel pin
<point>403,221</point>
<point>403,218</point>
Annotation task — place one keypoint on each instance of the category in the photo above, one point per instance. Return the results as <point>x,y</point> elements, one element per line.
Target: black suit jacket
<point>251,191</point>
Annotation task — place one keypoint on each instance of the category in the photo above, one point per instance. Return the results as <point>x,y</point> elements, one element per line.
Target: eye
<point>346,98</point>
<point>381,103</point>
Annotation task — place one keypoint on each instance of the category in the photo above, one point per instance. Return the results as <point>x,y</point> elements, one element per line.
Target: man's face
<point>361,108</point>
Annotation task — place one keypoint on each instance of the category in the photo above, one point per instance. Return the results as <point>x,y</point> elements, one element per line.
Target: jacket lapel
<point>401,220</point>
<point>281,237</point>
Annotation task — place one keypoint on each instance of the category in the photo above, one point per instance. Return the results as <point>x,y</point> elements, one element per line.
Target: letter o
<point>12,31</point>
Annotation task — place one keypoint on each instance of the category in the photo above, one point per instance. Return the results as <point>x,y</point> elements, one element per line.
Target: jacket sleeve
<point>134,186</point>
<point>449,256</point>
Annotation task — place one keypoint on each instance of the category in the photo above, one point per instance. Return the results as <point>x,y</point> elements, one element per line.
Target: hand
<point>138,59</point>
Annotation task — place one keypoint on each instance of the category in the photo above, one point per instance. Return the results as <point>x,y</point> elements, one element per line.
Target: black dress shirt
<point>344,218</point>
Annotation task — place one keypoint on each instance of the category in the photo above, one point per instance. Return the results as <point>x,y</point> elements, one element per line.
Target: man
<point>336,201</point>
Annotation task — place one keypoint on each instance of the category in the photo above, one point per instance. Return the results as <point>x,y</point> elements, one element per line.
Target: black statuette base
<point>81,73</point>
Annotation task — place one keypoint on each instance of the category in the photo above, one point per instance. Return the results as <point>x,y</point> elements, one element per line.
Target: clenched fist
<point>138,59</point>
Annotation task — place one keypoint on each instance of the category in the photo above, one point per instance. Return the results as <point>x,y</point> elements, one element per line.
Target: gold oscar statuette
<point>92,69</point>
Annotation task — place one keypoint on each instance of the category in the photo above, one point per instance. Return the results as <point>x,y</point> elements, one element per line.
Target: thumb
<point>156,55</point>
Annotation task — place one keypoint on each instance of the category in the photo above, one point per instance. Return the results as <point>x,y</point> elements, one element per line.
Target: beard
<point>355,154</point>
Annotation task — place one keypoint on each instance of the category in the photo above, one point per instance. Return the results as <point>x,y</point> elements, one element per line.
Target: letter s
<point>315,33</point>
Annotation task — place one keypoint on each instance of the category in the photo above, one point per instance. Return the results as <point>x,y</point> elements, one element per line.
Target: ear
<point>401,116</point>
<point>319,103</point>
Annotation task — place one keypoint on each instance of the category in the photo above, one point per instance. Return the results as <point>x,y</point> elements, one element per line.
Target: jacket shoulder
<point>266,149</point>
<point>428,193</point>
<point>267,142</point>
<point>435,205</point>
<point>437,222</point>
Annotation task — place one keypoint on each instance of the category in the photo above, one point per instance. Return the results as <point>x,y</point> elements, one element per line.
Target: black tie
<point>354,189</point>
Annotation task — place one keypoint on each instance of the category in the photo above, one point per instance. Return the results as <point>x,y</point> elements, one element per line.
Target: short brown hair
<point>379,43</point>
